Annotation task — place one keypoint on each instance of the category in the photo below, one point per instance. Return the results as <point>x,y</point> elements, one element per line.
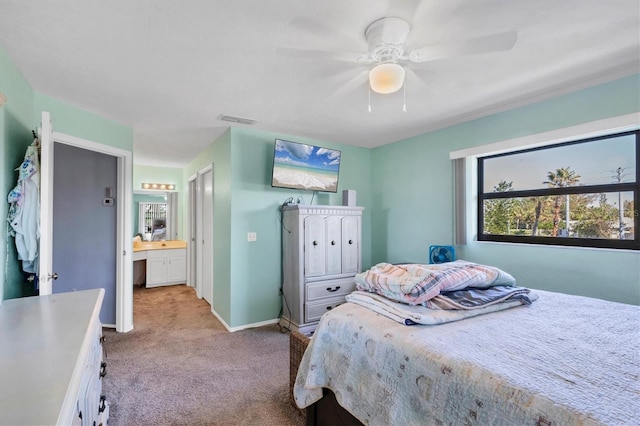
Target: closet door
<point>350,245</point>
<point>314,246</point>
<point>334,242</point>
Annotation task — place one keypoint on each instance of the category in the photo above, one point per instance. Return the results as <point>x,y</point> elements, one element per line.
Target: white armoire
<point>321,255</point>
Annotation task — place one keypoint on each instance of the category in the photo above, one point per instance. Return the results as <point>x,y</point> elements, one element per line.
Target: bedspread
<point>564,360</point>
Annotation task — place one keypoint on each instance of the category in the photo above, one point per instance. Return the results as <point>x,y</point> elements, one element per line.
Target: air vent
<point>235,119</point>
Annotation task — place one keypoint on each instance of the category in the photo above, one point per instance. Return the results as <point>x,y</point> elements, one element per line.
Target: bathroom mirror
<point>155,215</point>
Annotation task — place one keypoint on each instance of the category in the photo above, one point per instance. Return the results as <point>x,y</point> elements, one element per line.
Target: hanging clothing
<point>24,210</point>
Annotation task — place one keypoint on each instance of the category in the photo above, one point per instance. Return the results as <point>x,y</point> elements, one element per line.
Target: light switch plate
<point>252,236</point>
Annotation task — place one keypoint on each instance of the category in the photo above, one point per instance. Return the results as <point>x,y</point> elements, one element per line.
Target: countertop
<point>158,245</point>
<point>41,340</point>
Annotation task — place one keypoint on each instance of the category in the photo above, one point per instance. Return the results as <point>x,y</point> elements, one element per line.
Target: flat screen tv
<point>301,166</point>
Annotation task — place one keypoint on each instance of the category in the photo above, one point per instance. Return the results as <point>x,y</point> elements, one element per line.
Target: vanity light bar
<point>159,186</point>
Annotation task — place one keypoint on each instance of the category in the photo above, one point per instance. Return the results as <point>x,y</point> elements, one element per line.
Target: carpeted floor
<point>179,366</point>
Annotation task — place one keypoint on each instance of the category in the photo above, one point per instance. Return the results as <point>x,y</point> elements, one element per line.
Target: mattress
<point>563,360</point>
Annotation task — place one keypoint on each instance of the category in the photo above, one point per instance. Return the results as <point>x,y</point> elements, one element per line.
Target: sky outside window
<point>595,162</point>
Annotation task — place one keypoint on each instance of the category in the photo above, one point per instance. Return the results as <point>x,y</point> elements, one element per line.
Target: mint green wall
<point>247,275</point>
<point>219,154</point>
<point>255,267</point>
<point>18,117</point>
<point>158,175</point>
<point>152,174</point>
<point>77,122</point>
<point>413,205</point>
<point>16,123</point>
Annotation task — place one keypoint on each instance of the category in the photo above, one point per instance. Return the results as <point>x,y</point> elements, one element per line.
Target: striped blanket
<point>416,284</point>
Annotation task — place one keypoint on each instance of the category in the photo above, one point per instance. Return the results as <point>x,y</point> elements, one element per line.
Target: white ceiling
<point>169,68</point>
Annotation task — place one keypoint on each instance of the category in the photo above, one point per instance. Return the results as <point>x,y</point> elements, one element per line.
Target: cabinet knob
<point>103,369</point>
<point>333,243</point>
<point>350,241</point>
<point>315,243</point>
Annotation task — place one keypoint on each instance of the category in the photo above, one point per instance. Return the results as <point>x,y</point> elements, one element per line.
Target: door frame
<point>192,249</point>
<point>124,194</point>
<point>200,230</point>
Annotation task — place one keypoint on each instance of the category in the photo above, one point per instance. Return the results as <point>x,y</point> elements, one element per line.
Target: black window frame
<point>634,187</point>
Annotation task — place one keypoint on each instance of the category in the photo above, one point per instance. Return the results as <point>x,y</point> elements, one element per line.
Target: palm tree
<point>560,178</point>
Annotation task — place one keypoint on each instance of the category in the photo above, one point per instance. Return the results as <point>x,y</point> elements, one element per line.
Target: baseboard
<point>242,327</point>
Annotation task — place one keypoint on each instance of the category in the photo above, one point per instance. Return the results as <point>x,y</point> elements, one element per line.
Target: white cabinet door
<point>176,268</point>
<point>334,241</point>
<point>350,245</point>
<point>314,246</point>
<point>156,270</point>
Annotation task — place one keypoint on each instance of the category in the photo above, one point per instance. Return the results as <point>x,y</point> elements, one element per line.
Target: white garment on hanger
<point>24,213</point>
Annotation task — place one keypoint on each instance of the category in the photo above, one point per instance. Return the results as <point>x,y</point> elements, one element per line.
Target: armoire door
<point>334,243</point>
<point>315,254</point>
<point>350,245</point>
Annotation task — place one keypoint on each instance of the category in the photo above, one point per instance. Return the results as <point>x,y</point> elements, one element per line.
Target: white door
<point>124,261</point>
<point>45,273</point>
<point>192,247</point>
<point>207,236</point>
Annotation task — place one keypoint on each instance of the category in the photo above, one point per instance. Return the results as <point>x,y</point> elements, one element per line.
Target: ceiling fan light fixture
<point>386,78</point>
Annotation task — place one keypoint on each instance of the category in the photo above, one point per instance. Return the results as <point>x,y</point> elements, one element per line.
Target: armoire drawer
<point>313,311</point>
<point>333,288</point>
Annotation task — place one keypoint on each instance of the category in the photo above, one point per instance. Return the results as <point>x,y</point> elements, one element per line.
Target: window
<point>153,220</point>
<point>580,193</point>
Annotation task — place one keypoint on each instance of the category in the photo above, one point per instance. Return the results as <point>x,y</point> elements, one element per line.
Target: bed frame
<point>328,412</point>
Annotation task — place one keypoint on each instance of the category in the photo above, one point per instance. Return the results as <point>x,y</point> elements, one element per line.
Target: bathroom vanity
<point>159,263</point>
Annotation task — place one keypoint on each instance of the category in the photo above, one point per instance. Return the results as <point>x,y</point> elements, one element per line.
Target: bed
<point>561,360</point>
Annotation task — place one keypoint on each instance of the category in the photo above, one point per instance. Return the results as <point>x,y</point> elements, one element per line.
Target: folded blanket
<point>415,283</point>
<point>411,315</point>
<point>474,298</point>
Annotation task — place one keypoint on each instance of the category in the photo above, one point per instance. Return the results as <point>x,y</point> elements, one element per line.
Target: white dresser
<point>321,255</point>
<point>51,360</point>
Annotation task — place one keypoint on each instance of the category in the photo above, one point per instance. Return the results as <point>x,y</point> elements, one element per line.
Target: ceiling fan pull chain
<point>404,97</point>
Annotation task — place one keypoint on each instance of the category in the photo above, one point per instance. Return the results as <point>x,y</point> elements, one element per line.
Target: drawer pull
<point>103,369</point>
<point>329,308</point>
<point>103,404</point>
<point>333,290</point>
<point>350,241</point>
<point>315,243</point>
<point>333,243</point>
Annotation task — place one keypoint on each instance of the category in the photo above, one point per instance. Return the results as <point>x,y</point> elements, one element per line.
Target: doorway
<point>123,277</point>
<point>84,251</point>
<point>204,234</point>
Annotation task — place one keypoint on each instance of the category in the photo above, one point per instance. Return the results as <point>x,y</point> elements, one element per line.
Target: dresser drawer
<point>332,288</point>
<point>313,311</point>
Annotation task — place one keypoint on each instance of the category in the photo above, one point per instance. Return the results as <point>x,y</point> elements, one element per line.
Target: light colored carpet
<point>179,366</point>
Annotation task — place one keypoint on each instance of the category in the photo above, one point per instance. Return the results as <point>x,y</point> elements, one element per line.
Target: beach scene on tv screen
<point>301,166</point>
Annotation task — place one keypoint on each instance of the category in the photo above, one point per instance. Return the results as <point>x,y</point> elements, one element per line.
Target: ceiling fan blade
<point>416,82</point>
<point>360,79</point>
<point>324,54</point>
<point>320,31</point>
<point>473,46</point>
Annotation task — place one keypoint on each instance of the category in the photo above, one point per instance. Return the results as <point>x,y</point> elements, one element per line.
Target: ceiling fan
<point>388,56</point>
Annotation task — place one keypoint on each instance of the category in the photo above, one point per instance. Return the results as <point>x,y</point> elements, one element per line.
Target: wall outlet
<point>252,236</point>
